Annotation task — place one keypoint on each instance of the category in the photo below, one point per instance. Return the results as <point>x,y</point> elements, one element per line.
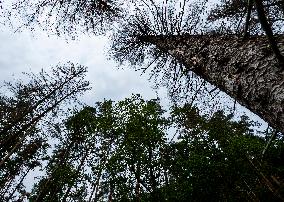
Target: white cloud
<point>24,52</point>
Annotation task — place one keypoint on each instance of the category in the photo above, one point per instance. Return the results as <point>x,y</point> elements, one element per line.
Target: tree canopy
<point>123,151</point>
<point>127,150</point>
<point>26,115</point>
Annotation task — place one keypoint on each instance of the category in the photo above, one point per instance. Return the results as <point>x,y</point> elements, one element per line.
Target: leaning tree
<point>27,114</point>
<point>233,45</point>
<point>237,52</point>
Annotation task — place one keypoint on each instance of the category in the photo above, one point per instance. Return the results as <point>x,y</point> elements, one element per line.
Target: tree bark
<point>247,70</point>
<point>268,30</point>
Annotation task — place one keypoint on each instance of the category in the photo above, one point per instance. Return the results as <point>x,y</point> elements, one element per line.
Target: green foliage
<point>119,151</point>
<point>110,147</point>
<point>219,159</point>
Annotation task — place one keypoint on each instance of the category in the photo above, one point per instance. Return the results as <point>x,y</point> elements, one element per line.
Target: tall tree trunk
<point>61,161</point>
<point>79,169</point>
<point>137,191</point>
<point>265,181</point>
<point>247,70</point>
<point>105,157</point>
<point>19,184</point>
<point>268,30</point>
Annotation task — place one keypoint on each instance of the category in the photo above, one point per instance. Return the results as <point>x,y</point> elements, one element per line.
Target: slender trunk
<point>246,30</point>
<point>110,197</point>
<point>137,176</point>
<point>102,163</point>
<point>152,176</point>
<point>93,191</point>
<point>96,189</point>
<point>19,184</point>
<point>32,123</point>
<point>248,71</point>
<point>137,190</point>
<point>273,136</point>
<point>166,178</point>
<point>265,180</point>
<point>268,31</point>
<point>62,160</point>
<point>77,172</point>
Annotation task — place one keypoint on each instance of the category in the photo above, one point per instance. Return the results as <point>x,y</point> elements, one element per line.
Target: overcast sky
<point>26,52</point>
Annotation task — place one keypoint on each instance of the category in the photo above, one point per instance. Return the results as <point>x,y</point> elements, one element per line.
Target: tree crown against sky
<point>162,37</point>
<point>121,151</point>
<point>132,19</point>
<point>27,113</point>
<point>151,162</point>
<point>134,22</point>
<point>166,17</point>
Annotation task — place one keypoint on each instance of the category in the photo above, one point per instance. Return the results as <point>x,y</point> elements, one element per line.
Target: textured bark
<point>247,70</point>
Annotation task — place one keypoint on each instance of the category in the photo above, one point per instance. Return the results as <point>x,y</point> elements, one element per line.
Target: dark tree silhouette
<point>150,23</point>
<point>249,70</point>
<point>22,140</point>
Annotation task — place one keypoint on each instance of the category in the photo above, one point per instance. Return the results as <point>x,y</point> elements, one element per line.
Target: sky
<point>30,52</point>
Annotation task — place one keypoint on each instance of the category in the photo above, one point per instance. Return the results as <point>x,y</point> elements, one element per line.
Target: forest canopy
<point>133,149</point>
<point>124,151</point>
